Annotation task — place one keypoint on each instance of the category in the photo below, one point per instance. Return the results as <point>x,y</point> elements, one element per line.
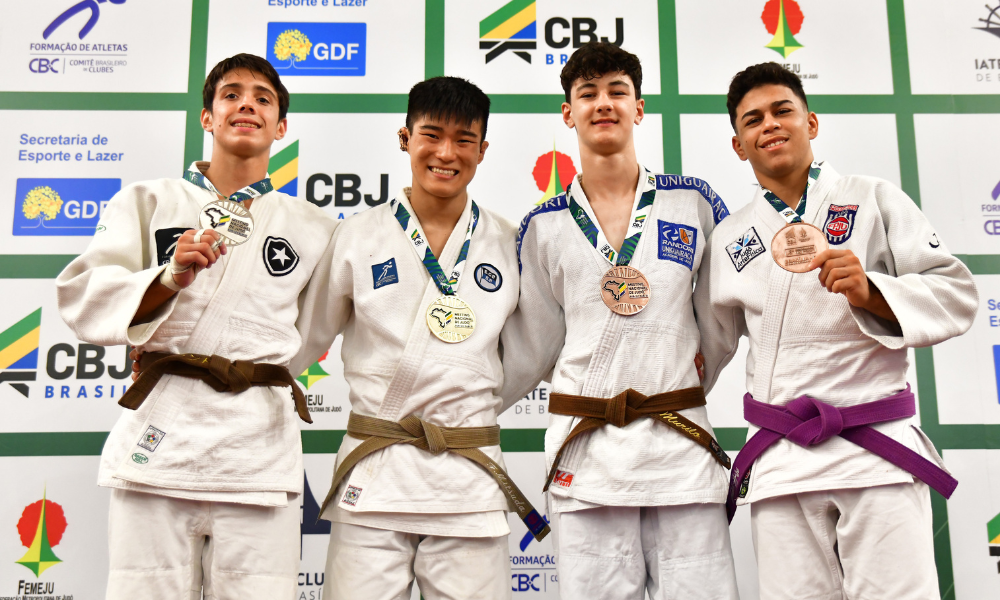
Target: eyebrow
<point>757,111</point>
<point>257,87</point>
<point>464,132</point>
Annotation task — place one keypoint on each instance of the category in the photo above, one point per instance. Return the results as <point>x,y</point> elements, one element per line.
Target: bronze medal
<point>451,319</point>
<point>624,290</point>
<point>796,244</point>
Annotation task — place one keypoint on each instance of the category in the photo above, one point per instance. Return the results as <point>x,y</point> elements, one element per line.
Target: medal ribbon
<point>254,190</point>
<point>793,216</point>
<point>597,238</point>
<point>447,285</point>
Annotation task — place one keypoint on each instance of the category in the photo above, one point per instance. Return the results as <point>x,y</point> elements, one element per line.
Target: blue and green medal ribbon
<point>448,285</point>
<point>637,224</point>
<point>254,190</point>
<point>793,215</point>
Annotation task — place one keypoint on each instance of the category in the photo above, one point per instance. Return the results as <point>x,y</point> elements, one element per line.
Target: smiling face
<point>245,116</point>
<point>444,155</point>
<point>604,112</point>
<point>773,131</point>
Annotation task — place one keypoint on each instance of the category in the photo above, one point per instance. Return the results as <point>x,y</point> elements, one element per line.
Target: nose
<point>770,123</point>
<point>603,102</point>
<point>246,105</point>
<point>447,151</point>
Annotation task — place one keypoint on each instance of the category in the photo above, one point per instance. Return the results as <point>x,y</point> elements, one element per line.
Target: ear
<point>738,148</point>
<point>206,120</point>
<point>482,151</point>
<point>281,130</point>
<point>404,139</point>
<point>813,125</point>
<point>640,110</point>
<point>567,116</point>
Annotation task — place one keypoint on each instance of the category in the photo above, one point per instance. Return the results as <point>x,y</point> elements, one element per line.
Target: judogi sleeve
<point>932,293</point>
<point>535,333</point>
<point>720,320</point>
<point>99,292</point>
<point>325,305</point>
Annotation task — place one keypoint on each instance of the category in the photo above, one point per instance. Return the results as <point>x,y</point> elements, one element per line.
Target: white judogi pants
<point>380,564</point>
<point>170,548</point>
<point>618,553</point>
<point>866,544</point>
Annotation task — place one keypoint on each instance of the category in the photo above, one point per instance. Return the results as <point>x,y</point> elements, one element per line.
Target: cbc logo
<point>522,582</point>
<point>43,65</point>
<point>992,226</point>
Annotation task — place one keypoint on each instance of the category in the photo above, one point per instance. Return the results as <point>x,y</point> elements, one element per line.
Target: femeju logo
<point>993,534</point>
<point>991,24</point>
<point>783,19</point>
<point>41,528</point>
<point>511,27</point>
<point>314,373</point>
<point>317,49</point>
<point>553,171</point>
<point>19,352</point>
<point>61,206</point>
<point>284,170</point>
<point>95,14</point>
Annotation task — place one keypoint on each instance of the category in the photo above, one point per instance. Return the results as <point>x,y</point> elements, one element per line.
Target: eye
<point>430,135</point>
<point>752,121</point>
<point>264,100</point>
<point>784,111</point>
<point>230,95</point>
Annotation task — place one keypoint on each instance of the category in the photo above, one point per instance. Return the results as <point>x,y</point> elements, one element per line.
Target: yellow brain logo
<point>42,201</point>
<point>292,43</point>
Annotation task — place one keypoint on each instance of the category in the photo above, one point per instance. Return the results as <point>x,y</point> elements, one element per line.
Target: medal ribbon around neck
<point>254,190</point>
<point>597,238</point>
<point>790,215</point>
<point>447,285</point>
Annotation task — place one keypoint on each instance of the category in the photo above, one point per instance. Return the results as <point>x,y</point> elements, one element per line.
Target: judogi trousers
<point>169,548</point>
<point>380,564</point>
<point>860,544</point>
<point>619,553</point>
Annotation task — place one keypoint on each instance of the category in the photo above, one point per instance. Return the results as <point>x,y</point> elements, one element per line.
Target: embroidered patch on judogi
<point>351,495</point>
<point>839,223</point>
<point>384,274</point>
<point>678,243</point>
<point>746,248</point>
<point>151,439</point>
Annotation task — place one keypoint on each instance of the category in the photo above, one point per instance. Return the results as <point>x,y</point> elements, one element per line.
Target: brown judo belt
<point>221,374</point>
<point>465,441</point>
<point>630,406</point>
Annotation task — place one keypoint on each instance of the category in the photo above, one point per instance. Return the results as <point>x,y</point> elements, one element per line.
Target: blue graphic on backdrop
<point>317,49</point>
<point>95,13</point>
<point>49,206</point>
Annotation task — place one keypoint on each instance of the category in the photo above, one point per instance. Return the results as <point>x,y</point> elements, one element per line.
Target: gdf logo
<point>43,65</point>
<point>522,582</point>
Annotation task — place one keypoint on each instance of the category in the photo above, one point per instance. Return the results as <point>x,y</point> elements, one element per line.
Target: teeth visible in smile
<point>443,171</point>
<point>247,125</point>
<point>776,143</point>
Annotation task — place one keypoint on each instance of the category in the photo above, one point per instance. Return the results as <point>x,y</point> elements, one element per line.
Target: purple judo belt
<point>809,422</point>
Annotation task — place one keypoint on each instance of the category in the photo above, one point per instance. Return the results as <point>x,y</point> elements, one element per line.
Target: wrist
<point>167,280</point>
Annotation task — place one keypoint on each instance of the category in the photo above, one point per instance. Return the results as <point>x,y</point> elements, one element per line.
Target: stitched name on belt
<point>672,419</point>
<point>506,486</point>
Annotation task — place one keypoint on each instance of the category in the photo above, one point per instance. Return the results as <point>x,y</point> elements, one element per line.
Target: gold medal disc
<point>450,319</point>
<point>796,244</point>
<point>231,220</point>
<point>625,290</point>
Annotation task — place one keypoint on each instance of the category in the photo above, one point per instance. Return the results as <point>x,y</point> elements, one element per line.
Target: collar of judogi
<point>195,174</point>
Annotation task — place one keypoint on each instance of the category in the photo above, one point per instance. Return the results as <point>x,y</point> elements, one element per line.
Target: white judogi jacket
<point>564,328</point>
<point>806,340</point>
<point>214,445</point>
<point>396,367</point>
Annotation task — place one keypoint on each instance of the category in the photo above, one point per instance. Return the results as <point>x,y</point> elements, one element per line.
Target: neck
<point>788,186</point>
<point>611,177</point>
<point>437,212</point>
<point>230,173</point>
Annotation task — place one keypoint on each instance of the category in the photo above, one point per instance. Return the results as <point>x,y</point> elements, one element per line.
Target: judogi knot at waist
<point>465,441</point>
<point>630,406</point>
<point>221,374</point>
<point>807,422</point>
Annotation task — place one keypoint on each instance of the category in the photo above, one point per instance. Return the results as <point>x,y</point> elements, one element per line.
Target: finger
<point>135,376</point>
<point>193,258</point>
<point>836,275</point>
<point>222,247</point>
<point>819,259</point>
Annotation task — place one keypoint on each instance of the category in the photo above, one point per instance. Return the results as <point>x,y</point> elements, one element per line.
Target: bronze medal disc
<point>451,319</point>
<point>796,244</point>
<point>625,290</point>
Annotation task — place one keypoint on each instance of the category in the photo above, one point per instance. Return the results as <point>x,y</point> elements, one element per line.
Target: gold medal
<point>796,244</point>
<point>450,319</point>
<point>231,220</point>
<point>624,290</point>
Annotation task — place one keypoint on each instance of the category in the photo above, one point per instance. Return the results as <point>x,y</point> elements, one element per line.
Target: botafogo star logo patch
<point>279,257</point>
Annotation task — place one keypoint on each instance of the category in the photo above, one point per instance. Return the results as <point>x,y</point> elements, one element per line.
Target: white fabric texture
<point>677,552</point>
<point>395,367</point>
<point>376,564</point>
<point>858,544</point>
<point>167,549</point>
<point>210,441</point>
<point>564,332</point>
<point>806,340</point>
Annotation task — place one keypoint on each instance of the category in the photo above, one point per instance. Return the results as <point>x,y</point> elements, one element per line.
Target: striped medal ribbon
<point>227,216</point>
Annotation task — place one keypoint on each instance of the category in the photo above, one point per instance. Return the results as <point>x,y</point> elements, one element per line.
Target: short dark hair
<point>596,59</point>
<point>451,98</point>
<point>250,62</point>
<point>769,73</point>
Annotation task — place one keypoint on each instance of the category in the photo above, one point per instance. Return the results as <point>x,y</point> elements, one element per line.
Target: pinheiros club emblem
<point>511,27</point>
<point>746,248</point>
<point>41,528</point>
<point>783,19</point>
<point>839,223</point>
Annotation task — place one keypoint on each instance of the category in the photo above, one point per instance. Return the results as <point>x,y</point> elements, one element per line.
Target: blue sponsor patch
<point>317,49</point>
<point>384,273</point>
<point>553,204</point>
<point>745,248</point>
<point>679,182</point>
<point>488,277</point>
<point>678,243</point>
<point>839,223</point>
<point>49,206</point>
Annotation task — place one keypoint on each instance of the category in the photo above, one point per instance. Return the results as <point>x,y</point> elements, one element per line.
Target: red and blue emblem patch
<point>839,223</point>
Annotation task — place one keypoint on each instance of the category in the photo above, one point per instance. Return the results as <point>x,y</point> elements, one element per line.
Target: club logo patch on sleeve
<point>563,478</point>
<point>166,243</point>
<point>279,257</point>
<point>151,439</point>
<point>678,243</point>
<point>488,277</point>
<point>746,248</point>
<point>384,274</point>
<point>351,495</point>
<point>839,223</point>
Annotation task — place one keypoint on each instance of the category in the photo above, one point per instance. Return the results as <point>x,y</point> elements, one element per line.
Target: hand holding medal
<point>796,245</point>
